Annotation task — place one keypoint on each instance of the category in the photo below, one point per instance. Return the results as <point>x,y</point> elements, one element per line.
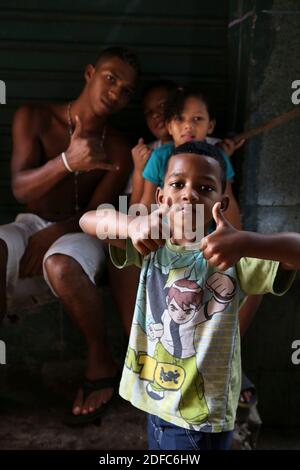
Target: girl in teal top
<point>188,116</point>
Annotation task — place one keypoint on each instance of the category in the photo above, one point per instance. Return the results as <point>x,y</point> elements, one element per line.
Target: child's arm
<point>140,154</point>
<point>108,225</point>
<point>146,232</point>
<point>148,195</point>
<point>226,245</point>
<point>230,146</point>
<point>149,192</point>
<point>137,187</point>
<point>232,212</point>
<point>151,175</point>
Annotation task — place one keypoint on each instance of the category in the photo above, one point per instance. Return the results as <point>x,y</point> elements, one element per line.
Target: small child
<point>153,102</point>
<point>155,97</point>
<point>183,360</point>
<point>189,115</point>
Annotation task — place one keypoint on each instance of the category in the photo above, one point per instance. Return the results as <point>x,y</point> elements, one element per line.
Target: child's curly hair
<point>177,98</point>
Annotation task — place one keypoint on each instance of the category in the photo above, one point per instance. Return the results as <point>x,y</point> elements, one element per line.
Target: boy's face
<point>110,85</point>
<point>193,179</point>
<point>193,123</point>
<point>154,105</point>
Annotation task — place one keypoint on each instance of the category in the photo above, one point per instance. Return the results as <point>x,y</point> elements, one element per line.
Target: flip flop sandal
<point>247,385</point>
<point>88,387</point>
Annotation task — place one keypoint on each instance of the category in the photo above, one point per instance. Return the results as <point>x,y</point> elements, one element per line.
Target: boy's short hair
<point>168,85</point>
<point>202,148</point>
<point>175,102</point>
<point>126,55</point>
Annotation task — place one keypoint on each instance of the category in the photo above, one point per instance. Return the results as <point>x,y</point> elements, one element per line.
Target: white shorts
<point>88,251</point>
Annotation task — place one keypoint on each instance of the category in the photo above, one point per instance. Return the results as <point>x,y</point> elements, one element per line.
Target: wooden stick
<point>277,121</point>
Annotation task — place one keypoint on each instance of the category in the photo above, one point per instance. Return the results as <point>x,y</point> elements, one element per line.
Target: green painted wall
<point>44,46</point>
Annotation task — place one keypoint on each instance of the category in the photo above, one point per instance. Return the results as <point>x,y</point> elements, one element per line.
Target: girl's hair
<point>176,101</point>
<point>168,85</point>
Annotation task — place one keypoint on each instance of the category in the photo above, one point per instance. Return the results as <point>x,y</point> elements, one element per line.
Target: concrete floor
<point>34,396</point>
<point>121,428</point>
<point>31,419</point>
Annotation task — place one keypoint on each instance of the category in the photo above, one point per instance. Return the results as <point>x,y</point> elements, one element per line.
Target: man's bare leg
<point>83,302</point>
<point>247,312</point>
<point>124,284</point>
<point>3,264</point>
<point>246,315</point>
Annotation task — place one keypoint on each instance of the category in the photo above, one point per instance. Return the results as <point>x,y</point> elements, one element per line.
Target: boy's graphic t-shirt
<point>183,358</point>
<point>155,168</point>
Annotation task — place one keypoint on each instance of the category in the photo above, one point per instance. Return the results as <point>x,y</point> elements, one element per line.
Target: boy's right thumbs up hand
<point>148,232</point>
<point>223,247</point>
<point>140,154</point>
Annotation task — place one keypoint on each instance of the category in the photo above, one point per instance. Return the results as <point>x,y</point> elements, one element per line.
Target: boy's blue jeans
<point>167,436</point>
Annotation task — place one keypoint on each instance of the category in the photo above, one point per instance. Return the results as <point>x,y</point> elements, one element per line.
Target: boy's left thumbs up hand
<point>219,217</point>
<point>222,248</point>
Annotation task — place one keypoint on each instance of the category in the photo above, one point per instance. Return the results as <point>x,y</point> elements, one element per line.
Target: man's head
<point>111,81</point>
<point>124,54</point>
<point>195,175</point>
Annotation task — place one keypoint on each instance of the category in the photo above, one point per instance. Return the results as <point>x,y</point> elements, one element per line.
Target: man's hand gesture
<point>86,153</point>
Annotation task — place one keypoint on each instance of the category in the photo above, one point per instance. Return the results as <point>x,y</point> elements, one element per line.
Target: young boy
<point>175,115</point>
<point>183,361</point>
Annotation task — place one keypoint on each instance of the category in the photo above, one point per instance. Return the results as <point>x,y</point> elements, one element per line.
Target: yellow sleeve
<point>122,258</point>
<point>258,276</point>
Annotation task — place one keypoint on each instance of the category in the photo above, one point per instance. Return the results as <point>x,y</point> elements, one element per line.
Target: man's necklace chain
<point>77,173</point>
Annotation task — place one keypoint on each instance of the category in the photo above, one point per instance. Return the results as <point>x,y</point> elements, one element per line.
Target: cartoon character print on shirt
<point>175,352</point>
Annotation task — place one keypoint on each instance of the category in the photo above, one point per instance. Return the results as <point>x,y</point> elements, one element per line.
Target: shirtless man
<point>67,160</point>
